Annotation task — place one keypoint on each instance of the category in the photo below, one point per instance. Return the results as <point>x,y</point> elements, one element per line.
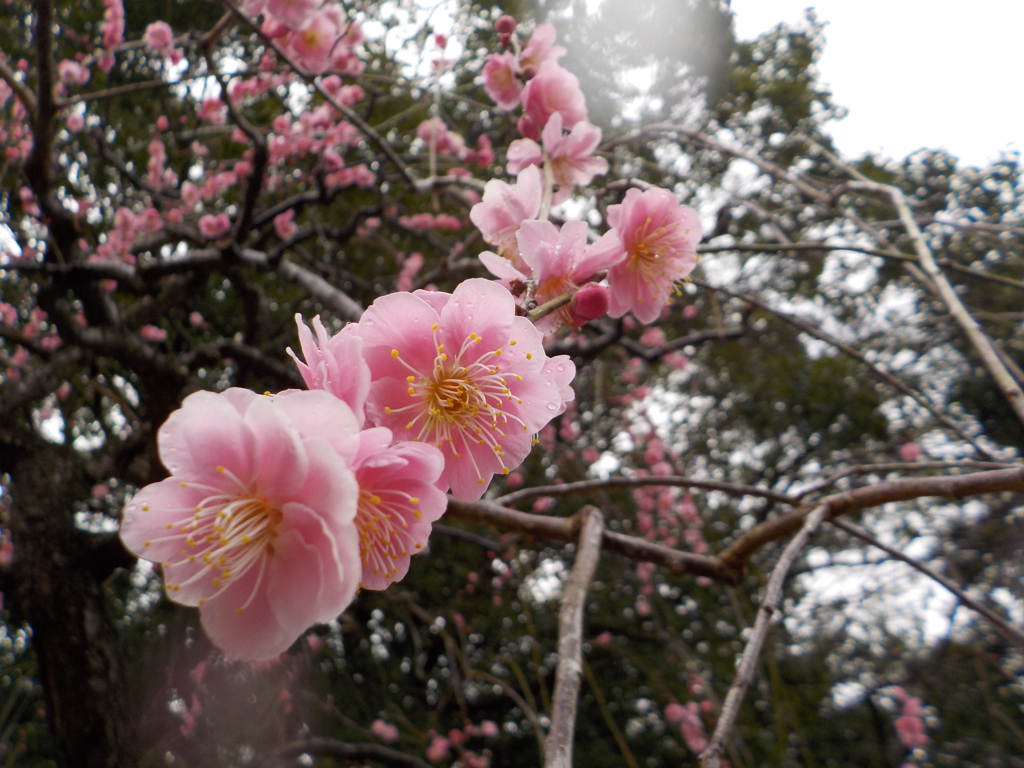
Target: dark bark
<point>61,595</point>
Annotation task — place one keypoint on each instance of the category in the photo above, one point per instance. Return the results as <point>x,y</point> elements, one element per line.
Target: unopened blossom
<point>398,501</point>
<point>462,372</point>
<point>660,239</point>
<point>256,524</point>
<point>572,155</point>
<point>500,80</point>
<point>552,90</point>
<point>541,47</point>
<point>284,224</point>
<point>558,261</point>
<point>112,28</point>
<point>292,13</point>
<point>334,364</point>
<point>504,208</point>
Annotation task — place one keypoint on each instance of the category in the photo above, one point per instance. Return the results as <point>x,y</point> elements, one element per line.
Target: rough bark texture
<point>59,593</point>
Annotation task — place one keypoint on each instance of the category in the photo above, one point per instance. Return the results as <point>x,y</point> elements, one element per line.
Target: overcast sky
<point>915,73</point>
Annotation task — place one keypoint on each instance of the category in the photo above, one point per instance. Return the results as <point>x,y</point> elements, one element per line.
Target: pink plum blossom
<point>72,73</point>
<point>541,47</point>
<point>384,731</point>
<point>558,261</point>
<point>398,501</point>
<point>213,226</point>
<point>438,749</point>
<point>284,224</point>
<point>256,525</point>
<point>500,80</point>
<point>910,452</point>
<point>504,208</point>
<point>292,13</point>
<point>461,371</point>
<point>445,142</point>
<point>112,27</point>
<point>572,161</point>
<point>75,122</point>
<point>315,42</point>
<point>554,89</point>
<point>153,333</point>
<point>692,727</point>
<point>160,38</point>
<point>334,364</point>
<point>660,239</point>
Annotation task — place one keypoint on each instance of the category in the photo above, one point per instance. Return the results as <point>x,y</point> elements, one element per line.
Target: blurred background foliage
<point>470,634</point>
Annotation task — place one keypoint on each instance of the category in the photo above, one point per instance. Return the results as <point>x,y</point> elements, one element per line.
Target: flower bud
<point>591,301</point>
<point>529,73</point>
<point>505,39</point>
<point>506,25</point>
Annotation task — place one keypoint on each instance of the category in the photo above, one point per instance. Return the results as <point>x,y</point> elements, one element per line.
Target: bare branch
<point>948,486</point>
<point>339,302</point>
<point>901,466</point>
<point>558,746</point>
<point>711,757</point>
<point>21,90</point>
<point>1009,631</point>
<point>626,482</point>
<point>567,529</point>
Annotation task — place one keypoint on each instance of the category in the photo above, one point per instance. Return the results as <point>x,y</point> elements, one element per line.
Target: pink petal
<point>500,267</point>
<point>280,460</point>
<point>206,432</point>
<point>252,635</point>
<point>477,306</point>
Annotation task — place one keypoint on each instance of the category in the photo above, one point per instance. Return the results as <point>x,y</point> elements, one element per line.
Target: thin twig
<point>558,745</point>
<point>878,373</point>
<point>711,757</point>
<point>980,341</point>
<point>1011,632</point>
<point>901,466</point>
<point>625,482</point>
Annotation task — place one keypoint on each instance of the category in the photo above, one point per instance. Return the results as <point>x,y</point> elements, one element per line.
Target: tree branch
<point>558,746</point>
<point>338,301</point>
<point>981,342</point>
<point>626,482</point>
<point>878,373</point>
<point>1009,631</point>
<point>711,757</point>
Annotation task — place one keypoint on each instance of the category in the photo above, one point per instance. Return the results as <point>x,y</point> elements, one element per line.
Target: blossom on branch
<point>501,80</point>
<point>660,239</point>
<point>572,160</point>
<point>256,525</point>
<point>398,501</point>
<point>504,208</point>
<point>462,372</point>
<point>552,90</point>
<point>558,261</point>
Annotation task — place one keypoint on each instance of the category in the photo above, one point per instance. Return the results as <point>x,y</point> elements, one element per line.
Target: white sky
<point>915,73</point>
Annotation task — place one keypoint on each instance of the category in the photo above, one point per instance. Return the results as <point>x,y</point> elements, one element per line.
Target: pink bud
<point>675,713</point>
<point>505,40</point>
<point>591,301</point>
<point>488,729</point>
<point>529,73</point>
<point>506,25</point>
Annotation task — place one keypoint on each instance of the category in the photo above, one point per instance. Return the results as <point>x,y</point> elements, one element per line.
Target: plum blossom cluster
<point>317,35</point>
<point>280,507</point>
<point>651,242</point>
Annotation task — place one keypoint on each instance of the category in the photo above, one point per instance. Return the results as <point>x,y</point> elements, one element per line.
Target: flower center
<point>655,250</point>
<point>384,537</point>
<point>461,401</point>
<point>223,537</point>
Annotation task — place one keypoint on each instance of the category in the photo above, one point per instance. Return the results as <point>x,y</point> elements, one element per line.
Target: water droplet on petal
<point>552,406</point>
